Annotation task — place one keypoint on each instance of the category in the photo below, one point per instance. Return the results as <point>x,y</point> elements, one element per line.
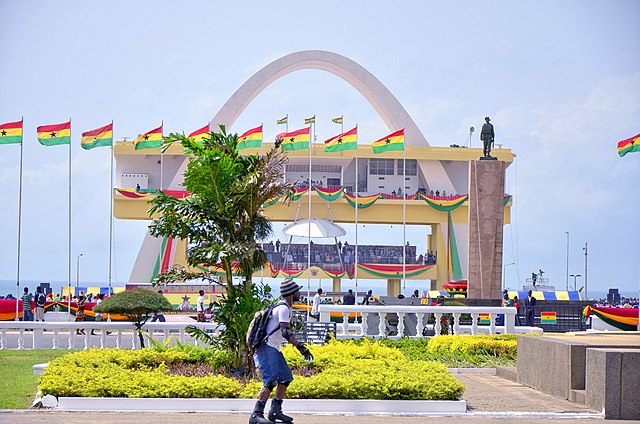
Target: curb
<point>296,406</point>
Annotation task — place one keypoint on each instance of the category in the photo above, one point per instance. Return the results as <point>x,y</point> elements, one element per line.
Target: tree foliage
<point>222,219</point>
<point>138,305</point>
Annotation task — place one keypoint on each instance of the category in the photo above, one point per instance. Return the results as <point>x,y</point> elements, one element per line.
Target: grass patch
<point>18,385</point>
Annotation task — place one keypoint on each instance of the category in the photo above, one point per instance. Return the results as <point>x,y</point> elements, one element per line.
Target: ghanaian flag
<point>149,140</point>
<point>629,145</point>
<point>337,120</point>
<point>311,120</point>
<point>199,135</point>
<point>283,120</point>
<point>344,141</point>
<point>53,135</point>
<point>11,133</point>
<point>394,141</point>
<point>294,140</point>
<point>99,137</point>
<point>251,138</point>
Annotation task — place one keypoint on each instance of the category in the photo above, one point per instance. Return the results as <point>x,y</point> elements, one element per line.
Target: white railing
<point>115,334</point>
<point>412,320</point>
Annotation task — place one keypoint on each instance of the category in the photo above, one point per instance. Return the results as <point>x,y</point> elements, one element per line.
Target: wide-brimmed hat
<point>288,287</point>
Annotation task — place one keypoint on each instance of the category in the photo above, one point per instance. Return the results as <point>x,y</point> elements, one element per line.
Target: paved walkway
<point>489,399</point>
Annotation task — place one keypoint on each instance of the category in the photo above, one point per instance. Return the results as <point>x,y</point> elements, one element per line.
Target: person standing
<point>159,316</point>
<point>27,313</point>
<point>200,306</point>
<point>41,299</point>
<point>367,297</point>
<point>516,304</point>
<point>269,359</point>
<point>80,316</point>
<point>349,298</point>
<point>487,135</point>
<point>530,307</point>
<point>316,303</point>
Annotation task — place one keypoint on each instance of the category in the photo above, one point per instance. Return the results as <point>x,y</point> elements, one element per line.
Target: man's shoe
<point>257,417</point>
<point>275,413</point>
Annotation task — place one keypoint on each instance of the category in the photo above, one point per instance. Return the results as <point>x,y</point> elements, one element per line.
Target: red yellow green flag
<point>337,120</point>
<point>251,138</point>
<point>99,137</point>
<point>283,120</point>
<point>199,135</point>
<point>149,140</point>
<point>394,141</point>
<point>11,133</point>
<point>294,140</point>
<point>311,120</point>
<point>629,145</point>
<point>53,135</point>
<point>344,141</point>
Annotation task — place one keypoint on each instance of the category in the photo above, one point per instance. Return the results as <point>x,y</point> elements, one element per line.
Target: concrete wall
<point>613,382</point>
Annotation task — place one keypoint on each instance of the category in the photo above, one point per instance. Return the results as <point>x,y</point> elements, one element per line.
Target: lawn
<point>17,382</point>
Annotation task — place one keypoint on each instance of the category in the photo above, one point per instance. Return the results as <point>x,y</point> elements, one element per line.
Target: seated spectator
<point>349,298</point>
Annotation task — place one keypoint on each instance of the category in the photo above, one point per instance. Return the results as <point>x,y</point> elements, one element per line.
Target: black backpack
<point>257,331</point>
<point>41,299</point>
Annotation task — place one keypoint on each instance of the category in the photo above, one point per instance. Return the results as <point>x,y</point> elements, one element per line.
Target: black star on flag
<point>53,134</point>
<point>146,137</point>
<point>4,133</point>
<point>387,141</point>
<point>292,139</point>
<point>339,141</point>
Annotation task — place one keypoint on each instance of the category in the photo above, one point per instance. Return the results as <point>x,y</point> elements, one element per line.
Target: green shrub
<point>498,346</point>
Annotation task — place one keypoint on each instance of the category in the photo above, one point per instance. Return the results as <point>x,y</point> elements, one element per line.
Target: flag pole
<point>342,124</point>
<point>69,241</point>
<point>161,155</point>
<point>357,207</point>
<point>19,222</point>
<point>404,218</point>
<point>286,124</point>
<point>111,210</point>
<point>309,227</point>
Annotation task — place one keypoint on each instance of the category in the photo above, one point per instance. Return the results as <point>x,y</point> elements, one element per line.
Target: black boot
<point>257,417</point>
<point>275,413</point>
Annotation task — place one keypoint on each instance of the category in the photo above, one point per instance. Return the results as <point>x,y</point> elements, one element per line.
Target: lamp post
<point>586,295</point>
<point>78,271</point>
<point>575,276</point>
<point>567,233</point>
<point>504,279</point>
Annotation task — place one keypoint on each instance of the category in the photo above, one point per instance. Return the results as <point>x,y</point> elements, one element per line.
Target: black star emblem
<point>185,298</point>
<point>53,134</point>
<point>632,141</point>
<point>292,139</point>
<point>95,137</point>
<point>387,141</point>
<point>243,138</point>
<point>339,141</point>
<point>146,137</point>
<point>4,132</point>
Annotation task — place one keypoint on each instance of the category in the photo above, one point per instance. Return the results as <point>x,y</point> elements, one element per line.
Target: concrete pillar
<point>438,244</point>
<point>486,219</point>
<point>337,287</point>
<point>393,286</point>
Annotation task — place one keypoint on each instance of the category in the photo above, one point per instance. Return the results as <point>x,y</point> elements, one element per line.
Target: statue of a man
<point>487,135</point>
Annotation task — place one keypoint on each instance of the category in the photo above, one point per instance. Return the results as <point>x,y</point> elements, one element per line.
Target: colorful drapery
<point>623,318</point>
<point>363,201</point>
<point>329,194</point>
<point>393,270</point>
<point>452,203</point>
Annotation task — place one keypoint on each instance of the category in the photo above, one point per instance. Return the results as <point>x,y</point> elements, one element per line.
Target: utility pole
<point>586,253</point>
<point>567,285</point>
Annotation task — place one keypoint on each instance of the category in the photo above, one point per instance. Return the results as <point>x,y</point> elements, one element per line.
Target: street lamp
<point>575,276</point>
<point>504,279</point>
<point>567,233</point>
<point>78,271</point>
<point>586,253</point>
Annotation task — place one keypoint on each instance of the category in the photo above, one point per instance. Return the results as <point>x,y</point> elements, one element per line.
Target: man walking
<point>316,303</point>
<point>27,314</point>
<point>269,359</point>
<point>530,307</point>
<point>41,299</point>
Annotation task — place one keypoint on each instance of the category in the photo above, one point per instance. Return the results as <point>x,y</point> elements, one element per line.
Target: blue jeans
<point>27,315</point>
<point>273,366</point>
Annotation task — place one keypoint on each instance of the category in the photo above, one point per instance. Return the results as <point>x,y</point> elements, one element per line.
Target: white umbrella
<point>319,228</point>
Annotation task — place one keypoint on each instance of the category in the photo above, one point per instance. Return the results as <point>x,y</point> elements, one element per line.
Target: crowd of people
<point>331,256</point>
<point>625,302</point>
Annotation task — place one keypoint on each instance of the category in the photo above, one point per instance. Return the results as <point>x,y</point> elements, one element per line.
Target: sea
<point>378,287</point>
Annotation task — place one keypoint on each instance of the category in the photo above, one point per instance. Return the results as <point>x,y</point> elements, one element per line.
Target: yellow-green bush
<point>475,345</point>
<point>341,370</point>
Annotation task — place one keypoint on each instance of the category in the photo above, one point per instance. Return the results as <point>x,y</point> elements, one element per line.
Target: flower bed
<point>341,370</point>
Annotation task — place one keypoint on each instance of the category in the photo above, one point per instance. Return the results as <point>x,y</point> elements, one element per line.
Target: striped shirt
<point>26,301</point>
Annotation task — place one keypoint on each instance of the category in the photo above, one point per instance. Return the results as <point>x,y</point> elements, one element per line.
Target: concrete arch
<point>385,103</point>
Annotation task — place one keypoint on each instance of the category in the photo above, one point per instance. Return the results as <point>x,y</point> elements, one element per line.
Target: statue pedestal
<point>486,218</point>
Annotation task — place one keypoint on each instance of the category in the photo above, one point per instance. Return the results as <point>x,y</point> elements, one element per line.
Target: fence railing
<point>396,321</point>
<point>63,335</point>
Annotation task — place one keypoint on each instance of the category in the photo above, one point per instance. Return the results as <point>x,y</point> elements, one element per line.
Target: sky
<point>560,79</point>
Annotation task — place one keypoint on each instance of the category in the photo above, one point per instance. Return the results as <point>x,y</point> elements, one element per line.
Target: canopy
<point>320,228</point>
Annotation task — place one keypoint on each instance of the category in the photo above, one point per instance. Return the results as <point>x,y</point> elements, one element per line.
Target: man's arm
<point>288,335</point>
